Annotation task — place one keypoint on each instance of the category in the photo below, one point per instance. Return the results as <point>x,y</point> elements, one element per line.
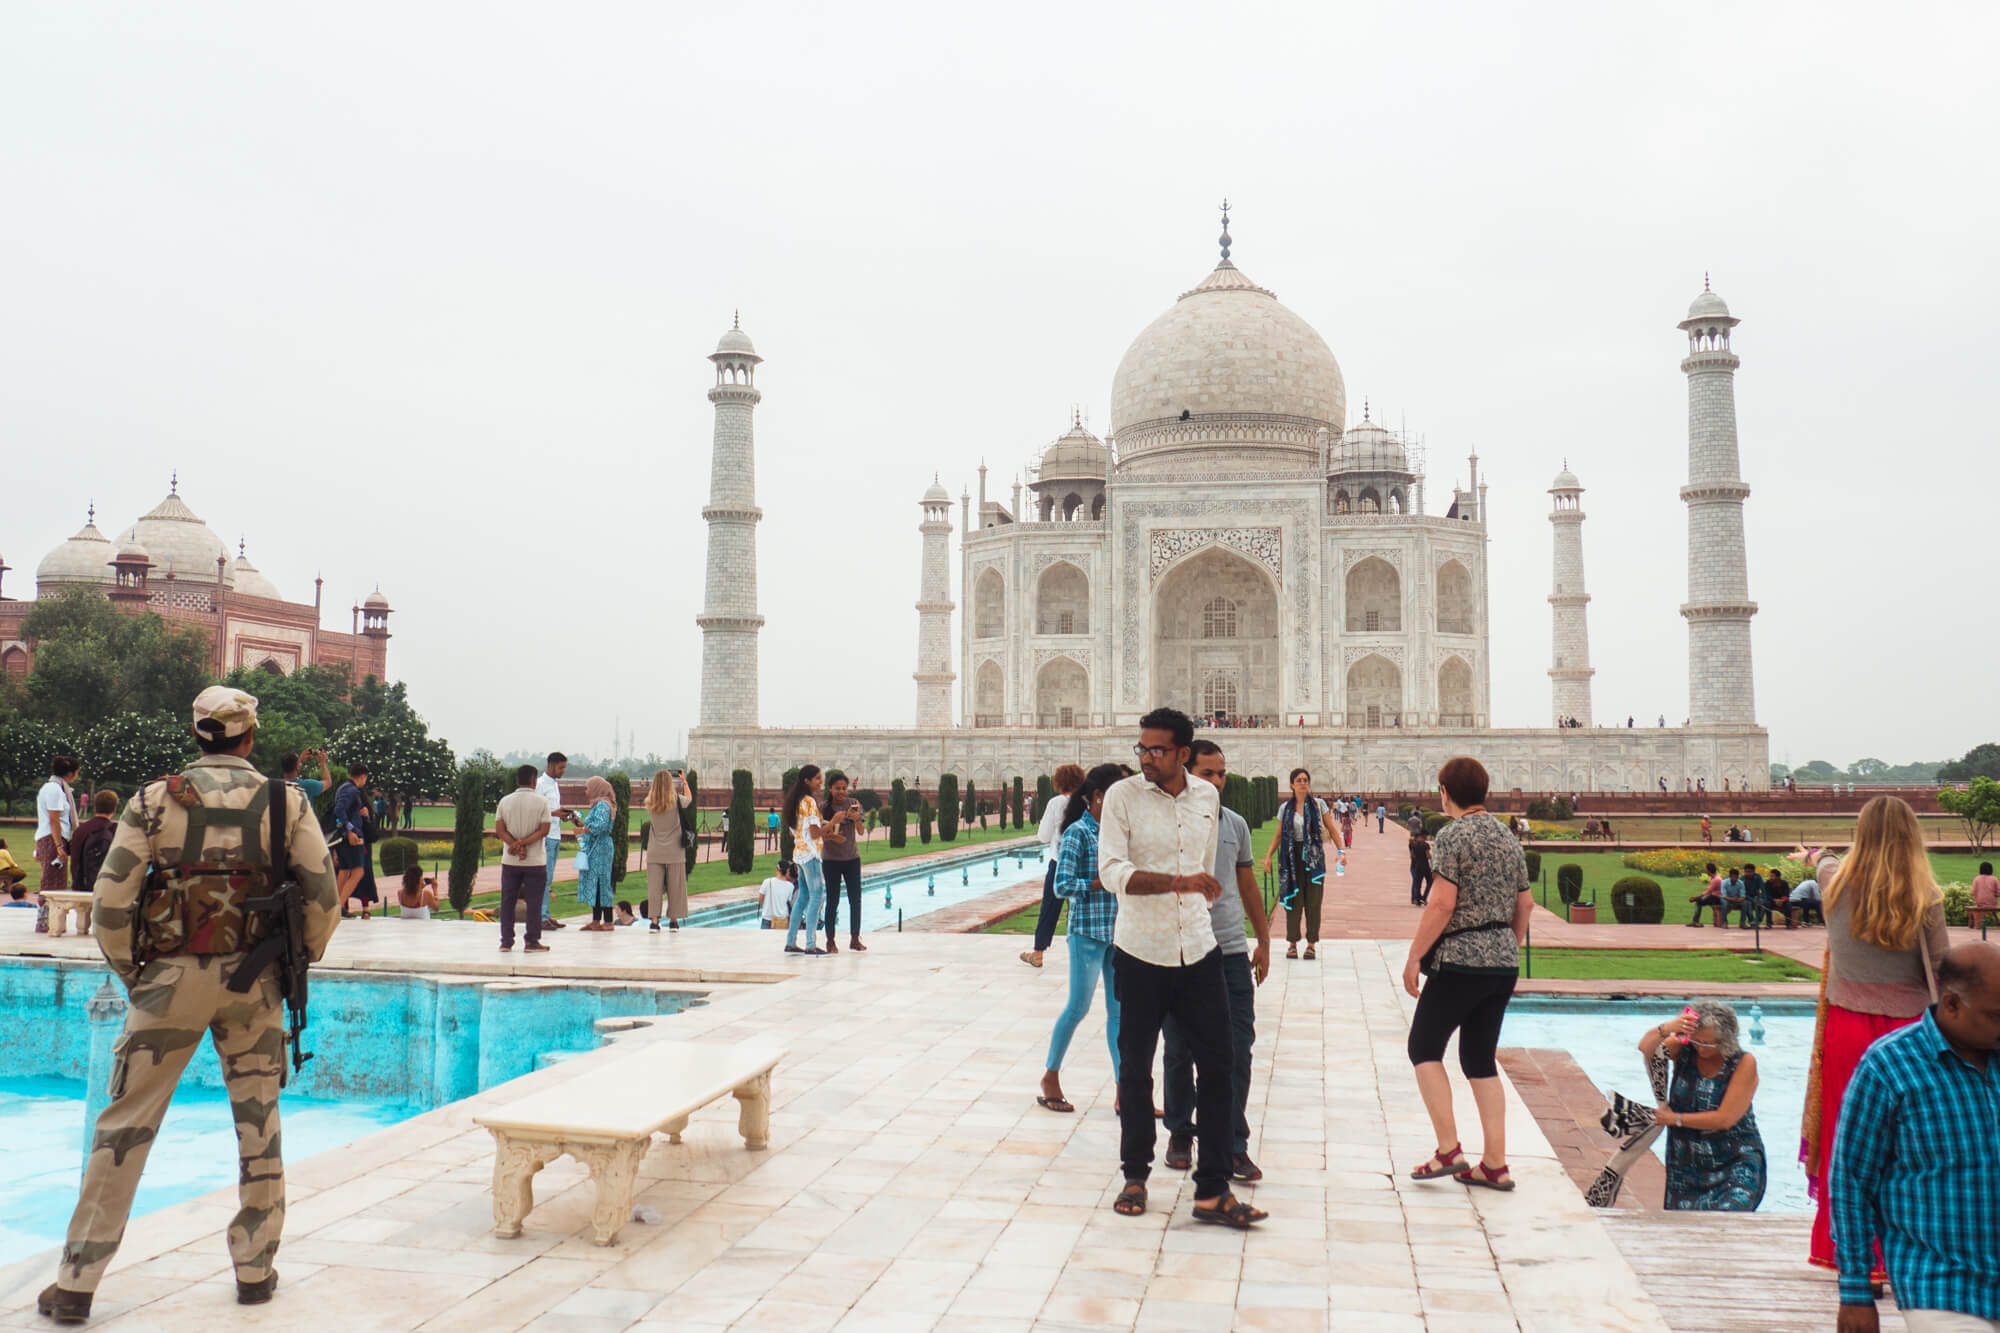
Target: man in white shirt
<point>549,787</point>
<point>1155,852</point>
<point>522,823</point>
<point>55,822</point>
<point>777,895</point>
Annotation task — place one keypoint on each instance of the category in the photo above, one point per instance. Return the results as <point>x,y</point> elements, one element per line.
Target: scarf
<point>598,789</point>
<point>1315,852</point>
<point>1627,1117</point>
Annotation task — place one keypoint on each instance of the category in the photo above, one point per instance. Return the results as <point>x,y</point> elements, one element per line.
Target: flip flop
<point>1231,1212</point>
<point>1131,1200</point>
<point>1055,1104</point>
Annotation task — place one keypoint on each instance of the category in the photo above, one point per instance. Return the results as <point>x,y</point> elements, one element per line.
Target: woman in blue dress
<point>1715,1156</point>
<point>593,845</point>
<point>1303,822</point>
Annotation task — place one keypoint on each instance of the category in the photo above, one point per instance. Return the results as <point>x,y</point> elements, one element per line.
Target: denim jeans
<point>553,846</point>
<point>1178,1094</point>
<point>806,909</point>
<point>1089,959</point>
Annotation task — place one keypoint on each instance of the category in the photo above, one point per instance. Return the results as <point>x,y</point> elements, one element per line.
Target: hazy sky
<point>421,295</point>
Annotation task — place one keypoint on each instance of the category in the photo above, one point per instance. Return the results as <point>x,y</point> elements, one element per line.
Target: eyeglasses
<point>1153,751</point>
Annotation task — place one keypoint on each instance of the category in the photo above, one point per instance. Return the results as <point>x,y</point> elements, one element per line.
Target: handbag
<point>582,858</point>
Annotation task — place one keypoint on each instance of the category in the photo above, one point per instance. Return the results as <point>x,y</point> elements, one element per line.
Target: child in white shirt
<point>778,891</point>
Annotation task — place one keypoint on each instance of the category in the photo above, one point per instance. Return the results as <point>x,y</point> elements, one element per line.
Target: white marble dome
<point>1370,447</point>
<point>1566,481</point>
<point>1707,305</point>
<point>250,581</point>
<point>84,558</point>
<point>1076,455</point>
<point>1243,368</point>
<point>179,542</point>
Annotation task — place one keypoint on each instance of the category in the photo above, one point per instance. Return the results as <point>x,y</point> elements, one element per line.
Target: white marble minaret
<point>1718,608</point>
<point>729,620</point>
<point>1569,669</point>
<point>934,606</point>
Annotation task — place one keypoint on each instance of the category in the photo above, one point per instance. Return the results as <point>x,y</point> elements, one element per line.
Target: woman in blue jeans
<point>802,818</point>
<point>1092,913</point>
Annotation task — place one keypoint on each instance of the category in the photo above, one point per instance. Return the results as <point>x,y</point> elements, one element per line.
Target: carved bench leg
<point>83,919</point>
<point>613,1168</point>
<point>58,919</point>
<point>753,1118</point>
<point>675,1127</point>
<point>514,1166</point>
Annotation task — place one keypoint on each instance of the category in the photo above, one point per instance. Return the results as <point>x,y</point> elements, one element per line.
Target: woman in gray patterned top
<point>1467,945</point>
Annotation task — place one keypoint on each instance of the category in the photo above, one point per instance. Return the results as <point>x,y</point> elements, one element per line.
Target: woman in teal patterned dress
<point>593,842</point>
<point>1715,1157</point>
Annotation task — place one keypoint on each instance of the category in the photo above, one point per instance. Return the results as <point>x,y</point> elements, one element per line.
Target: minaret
<point>729,620</point>
<point>1569,668</point>
<point>934,606</point>
<point>1718,608</point>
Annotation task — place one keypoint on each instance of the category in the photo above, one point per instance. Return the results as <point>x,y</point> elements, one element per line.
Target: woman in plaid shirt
<point>1092,912</point>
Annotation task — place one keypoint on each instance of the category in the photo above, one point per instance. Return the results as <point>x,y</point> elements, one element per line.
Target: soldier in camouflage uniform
<point>169,917</point>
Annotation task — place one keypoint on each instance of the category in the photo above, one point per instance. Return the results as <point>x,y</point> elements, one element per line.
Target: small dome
<point>735,342</point>
<point>84,558</point>
<point>937,494</point>
<point>250,580</point>
<point>1708,306</point>
<point>133,553</point>
<point>375,601</point>
<point>1370,447</point>
<point>1076,455</point>
<point>1566,481</point>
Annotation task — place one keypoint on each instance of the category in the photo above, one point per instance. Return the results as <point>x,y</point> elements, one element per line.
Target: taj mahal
<point>1235,549</point>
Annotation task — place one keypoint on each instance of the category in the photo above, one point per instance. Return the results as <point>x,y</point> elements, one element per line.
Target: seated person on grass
<point>1735,898</point>
<point>417,895</point>
<point>10,870</point>
<point>1710,896</point>
<point>1778,898</point>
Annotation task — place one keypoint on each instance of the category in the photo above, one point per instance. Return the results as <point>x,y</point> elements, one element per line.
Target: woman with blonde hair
<point>1884,935</point>
<point>667,848</point>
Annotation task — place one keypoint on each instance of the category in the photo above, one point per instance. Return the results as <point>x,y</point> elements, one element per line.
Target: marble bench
<point>606,1117</point>
<point>60,902</point>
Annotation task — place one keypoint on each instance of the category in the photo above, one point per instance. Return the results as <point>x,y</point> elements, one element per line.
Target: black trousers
<point>836,871</point>
<point>1420,885</point>
<point>521,886</point>
<point>1178,1096</point>
<point>1045,923</point>
<point>1197,999</point>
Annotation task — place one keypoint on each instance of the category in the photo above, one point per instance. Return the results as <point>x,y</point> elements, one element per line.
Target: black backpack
<point>89,856</point>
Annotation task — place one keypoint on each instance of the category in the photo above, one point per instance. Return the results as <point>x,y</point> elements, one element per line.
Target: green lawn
<point>1687,828</point>
<point>1715,965</point>
<point>1023,923</point>
<point>1603,869</point>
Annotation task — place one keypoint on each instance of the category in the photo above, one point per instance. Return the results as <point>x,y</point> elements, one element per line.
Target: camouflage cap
<point>233,711</point>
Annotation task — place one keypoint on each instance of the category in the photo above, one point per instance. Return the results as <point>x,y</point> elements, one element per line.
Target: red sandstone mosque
<point>171,563</point>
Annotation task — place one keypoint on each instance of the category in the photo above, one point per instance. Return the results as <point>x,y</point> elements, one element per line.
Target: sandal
<point>1486,1177</point>
<point>1055,1104</point>
<point>1292,950</point>
<point>856,945</point>
<point>1131,1200</point>
<point>1231,1212</point>
<point>1312,952</point>
<point>1449,1162</point>
<point>1031,958</point>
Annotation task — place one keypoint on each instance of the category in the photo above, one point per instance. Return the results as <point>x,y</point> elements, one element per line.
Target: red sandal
<point>1486,1177</point>
<point>1449,1162</point>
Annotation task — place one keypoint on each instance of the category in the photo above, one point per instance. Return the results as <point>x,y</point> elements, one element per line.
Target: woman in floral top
<point>1467,944</point>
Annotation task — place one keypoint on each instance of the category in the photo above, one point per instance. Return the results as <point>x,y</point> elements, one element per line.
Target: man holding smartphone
<point>840,858</point>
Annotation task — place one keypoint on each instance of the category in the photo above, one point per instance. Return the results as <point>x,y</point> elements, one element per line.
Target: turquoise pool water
<point>1602,1036</point>
<point>891,896</point>
<point>386,1047</point>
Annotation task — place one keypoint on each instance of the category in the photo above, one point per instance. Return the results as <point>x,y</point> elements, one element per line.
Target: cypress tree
<point>971,810</point>
<point>468,837</point>
<point>924,823</point>
<point>1018,809</point>
<point>742,840</point>
<point>1045,791</point>
<point>693,817</point>
<point>786,843</point>
<point>947,808</point>
<point>899,813</point>
<point>621,826</point>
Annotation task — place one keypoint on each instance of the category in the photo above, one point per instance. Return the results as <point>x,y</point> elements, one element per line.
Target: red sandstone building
<point>171,563</point>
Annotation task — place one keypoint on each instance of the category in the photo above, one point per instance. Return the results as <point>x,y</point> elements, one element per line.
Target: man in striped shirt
<point>1913,1160</point>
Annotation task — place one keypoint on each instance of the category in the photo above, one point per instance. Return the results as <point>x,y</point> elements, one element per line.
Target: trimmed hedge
<point>396,855</point>
<point>1045,791</point>
<point>742,840</point>
<point>1434,822</point>
<point>1638,901</point>
<point>469,838</point>
<point>899,814</point>
<point>1534,866</point>
<point>1547,810</point>
<point>947,808</point>
<point>924,823</point>
<point>693,817</point>
<point>1569,882</point>
<point>621,826</point>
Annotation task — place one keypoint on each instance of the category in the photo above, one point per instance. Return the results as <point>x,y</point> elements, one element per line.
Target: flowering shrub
<point>128,749</point>
<point>1680,862</point>
<point>1957,904</point>
<point>1542,831</point>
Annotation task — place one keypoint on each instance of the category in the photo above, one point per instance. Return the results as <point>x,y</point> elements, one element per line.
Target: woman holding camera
<point>666,855</point>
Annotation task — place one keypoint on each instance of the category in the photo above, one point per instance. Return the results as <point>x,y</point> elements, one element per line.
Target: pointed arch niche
<point>1215,635</point>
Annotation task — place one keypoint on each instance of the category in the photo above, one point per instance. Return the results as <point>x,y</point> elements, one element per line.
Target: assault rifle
<point>284,939</point>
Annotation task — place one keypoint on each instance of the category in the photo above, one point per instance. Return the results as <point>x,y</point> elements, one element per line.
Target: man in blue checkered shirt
<point>1913,1160</point>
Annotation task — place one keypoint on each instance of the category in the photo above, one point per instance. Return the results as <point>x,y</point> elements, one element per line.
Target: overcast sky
<point>422,295</point>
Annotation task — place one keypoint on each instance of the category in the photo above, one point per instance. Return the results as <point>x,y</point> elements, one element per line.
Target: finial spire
<point>239,546</point>
<point>1364,409</point>
<point>1225,231</point>
<point>736,318</point>
<point>90,514</point>
<point>174,486</point>
<point>1704,280</point>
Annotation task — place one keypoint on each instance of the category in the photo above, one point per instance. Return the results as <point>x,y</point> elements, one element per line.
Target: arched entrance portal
<point>1062,694</point>
<point>1215,638</point>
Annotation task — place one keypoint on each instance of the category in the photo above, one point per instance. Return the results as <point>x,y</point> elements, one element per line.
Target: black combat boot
<point>65,1307</point>
<point>256,1293</point>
